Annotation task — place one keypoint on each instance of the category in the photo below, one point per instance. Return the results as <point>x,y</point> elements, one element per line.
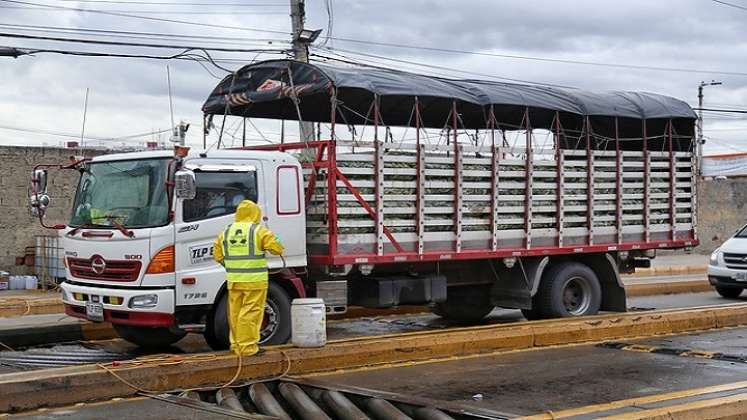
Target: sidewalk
<point>29,302</point>
<point>31,330</point>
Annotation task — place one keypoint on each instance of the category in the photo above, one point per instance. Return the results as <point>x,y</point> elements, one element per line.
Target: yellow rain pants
<point>246,308</point>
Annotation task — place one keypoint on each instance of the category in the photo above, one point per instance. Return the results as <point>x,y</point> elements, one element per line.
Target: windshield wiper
<point>119,226</point>
<point>84,226</point>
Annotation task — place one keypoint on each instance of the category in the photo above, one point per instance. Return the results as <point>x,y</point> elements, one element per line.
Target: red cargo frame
<point>326,158</point>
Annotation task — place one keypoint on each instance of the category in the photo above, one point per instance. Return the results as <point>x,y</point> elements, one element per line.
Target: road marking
<point>638,401</point>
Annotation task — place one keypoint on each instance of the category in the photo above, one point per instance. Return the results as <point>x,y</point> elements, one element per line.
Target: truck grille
<point>736,261</point>
<point>113,270</point>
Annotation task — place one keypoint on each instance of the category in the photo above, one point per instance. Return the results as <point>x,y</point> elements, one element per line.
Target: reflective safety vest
<point>243,258</point>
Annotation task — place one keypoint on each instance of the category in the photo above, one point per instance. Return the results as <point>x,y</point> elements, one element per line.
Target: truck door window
<point>219,193</point>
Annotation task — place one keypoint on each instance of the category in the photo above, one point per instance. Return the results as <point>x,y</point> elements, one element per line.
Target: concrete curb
<point>13,306</point>
<point>669,271</point>
<point>19,391</point>
<point>26,336</point>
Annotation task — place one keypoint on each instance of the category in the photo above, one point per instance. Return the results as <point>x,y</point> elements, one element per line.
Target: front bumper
<point>75,296</point>
<point>720,276</point>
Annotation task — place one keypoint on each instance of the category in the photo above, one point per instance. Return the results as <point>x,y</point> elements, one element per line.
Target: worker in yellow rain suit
<point>241,249</point>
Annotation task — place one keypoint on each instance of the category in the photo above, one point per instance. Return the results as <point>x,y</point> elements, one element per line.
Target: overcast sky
<point>129,96</point>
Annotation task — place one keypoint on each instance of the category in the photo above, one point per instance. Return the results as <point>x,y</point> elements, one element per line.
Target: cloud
<point>130,95</point>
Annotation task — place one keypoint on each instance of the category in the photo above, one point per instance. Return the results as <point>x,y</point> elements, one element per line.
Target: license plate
<point>740,277</point>
<point>95,311</point>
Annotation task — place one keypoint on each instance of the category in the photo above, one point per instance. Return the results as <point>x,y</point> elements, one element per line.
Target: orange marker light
<point>162,262</point>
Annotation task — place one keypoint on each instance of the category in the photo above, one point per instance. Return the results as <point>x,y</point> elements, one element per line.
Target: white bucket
<point>309,323</point>
<point>32,283</point>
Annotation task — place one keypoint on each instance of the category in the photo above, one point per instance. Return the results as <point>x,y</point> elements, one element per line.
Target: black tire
<point>729,292</point>
<point>464,304</point>
<point>277,313</point>
<point>149,337</point>
<point>531,314</point>
<point>566,290</point>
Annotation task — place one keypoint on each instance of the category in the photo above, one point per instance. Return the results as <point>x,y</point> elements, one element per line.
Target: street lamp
<point>701,142</point>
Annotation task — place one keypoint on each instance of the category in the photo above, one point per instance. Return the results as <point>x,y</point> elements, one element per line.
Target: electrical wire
<point>730,4</point>
<point>155,12</point>
<point>534,58</point>
<point>163,3</point>
<point>426,65</point>
<point>134,34</point>
<point>155,19</point>
<point>129,44</point>
<point>77,136</point>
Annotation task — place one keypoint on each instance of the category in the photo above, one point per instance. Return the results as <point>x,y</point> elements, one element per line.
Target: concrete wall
<point>17,227</point>
<point>721,203</point>
<point>722,209</point>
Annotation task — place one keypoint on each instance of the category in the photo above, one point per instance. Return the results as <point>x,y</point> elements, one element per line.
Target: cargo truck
<point>504,195</point>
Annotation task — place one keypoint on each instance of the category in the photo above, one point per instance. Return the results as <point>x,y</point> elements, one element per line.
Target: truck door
<point>220,189</point>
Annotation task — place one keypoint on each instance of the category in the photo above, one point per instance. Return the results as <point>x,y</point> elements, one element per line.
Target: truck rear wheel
<point>729,292</point>
<point>465,304</point>
<point>148,337</point>
<point>276,324</point>
<point>567,289</point>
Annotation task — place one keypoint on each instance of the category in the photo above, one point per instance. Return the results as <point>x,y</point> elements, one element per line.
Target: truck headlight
<point>144,301</point>
<point>715,255</point>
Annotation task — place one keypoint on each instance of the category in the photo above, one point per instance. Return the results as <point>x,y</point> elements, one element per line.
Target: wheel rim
<point>270,321</point>
<point>577,295</point>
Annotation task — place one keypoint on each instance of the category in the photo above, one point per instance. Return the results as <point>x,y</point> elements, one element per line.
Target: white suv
<point>727,268</point>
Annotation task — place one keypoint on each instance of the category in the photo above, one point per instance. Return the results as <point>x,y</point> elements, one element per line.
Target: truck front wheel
<point>276,324</point>
<point>729,292</point>
<point>465,304</point>
<point>567,289</point>
<point>148,337</point>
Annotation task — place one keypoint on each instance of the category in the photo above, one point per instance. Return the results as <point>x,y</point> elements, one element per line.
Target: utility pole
<point>701,141</point>
<point>301,40</point>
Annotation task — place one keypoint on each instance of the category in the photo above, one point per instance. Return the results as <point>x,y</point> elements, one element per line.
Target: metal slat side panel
<point>379,183</point>
<point>421,199</point>
<point>495,164</point>
<point>561,197</point>
<point>459,194</point>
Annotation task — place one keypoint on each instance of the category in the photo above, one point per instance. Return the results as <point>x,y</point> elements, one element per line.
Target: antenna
<point>85,112</point>
<point>171,102</point>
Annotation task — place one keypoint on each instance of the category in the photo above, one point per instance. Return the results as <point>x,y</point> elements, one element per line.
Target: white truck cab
<point>142,259</point>
<point>727,268</point>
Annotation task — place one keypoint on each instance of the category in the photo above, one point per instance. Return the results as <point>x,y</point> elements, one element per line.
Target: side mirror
<point>38,197</point>
<point>39,181</point>
<point>185,186</point>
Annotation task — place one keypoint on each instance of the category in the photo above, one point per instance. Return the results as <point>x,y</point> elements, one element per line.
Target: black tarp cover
<point>265,90</point>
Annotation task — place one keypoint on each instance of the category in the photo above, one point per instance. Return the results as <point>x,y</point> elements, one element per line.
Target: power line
<point>731,111</point>
<point>77,136</point>
<point>154,12</point>
<point>134,34</point>
<point>736,6</point>
<point>162,3</point>
<point>543,59</point>
<point>155,19</point>
<point>128,44</point>
<point>432,66</point>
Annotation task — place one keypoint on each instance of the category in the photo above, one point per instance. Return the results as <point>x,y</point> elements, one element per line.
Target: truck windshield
<point>129,192</point>
<point>741,233</point>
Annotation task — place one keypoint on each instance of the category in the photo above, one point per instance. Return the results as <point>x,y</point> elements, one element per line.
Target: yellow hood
<point>247,211</point>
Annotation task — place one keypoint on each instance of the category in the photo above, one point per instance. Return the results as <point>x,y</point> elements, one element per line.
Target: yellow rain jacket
<point>241,246</point>
<point>241,249</point>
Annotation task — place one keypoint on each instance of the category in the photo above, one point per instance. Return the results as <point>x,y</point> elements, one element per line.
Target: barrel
<point>309,323</point>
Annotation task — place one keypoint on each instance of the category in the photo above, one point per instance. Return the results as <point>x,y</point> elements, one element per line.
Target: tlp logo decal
<point>199,254</point>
